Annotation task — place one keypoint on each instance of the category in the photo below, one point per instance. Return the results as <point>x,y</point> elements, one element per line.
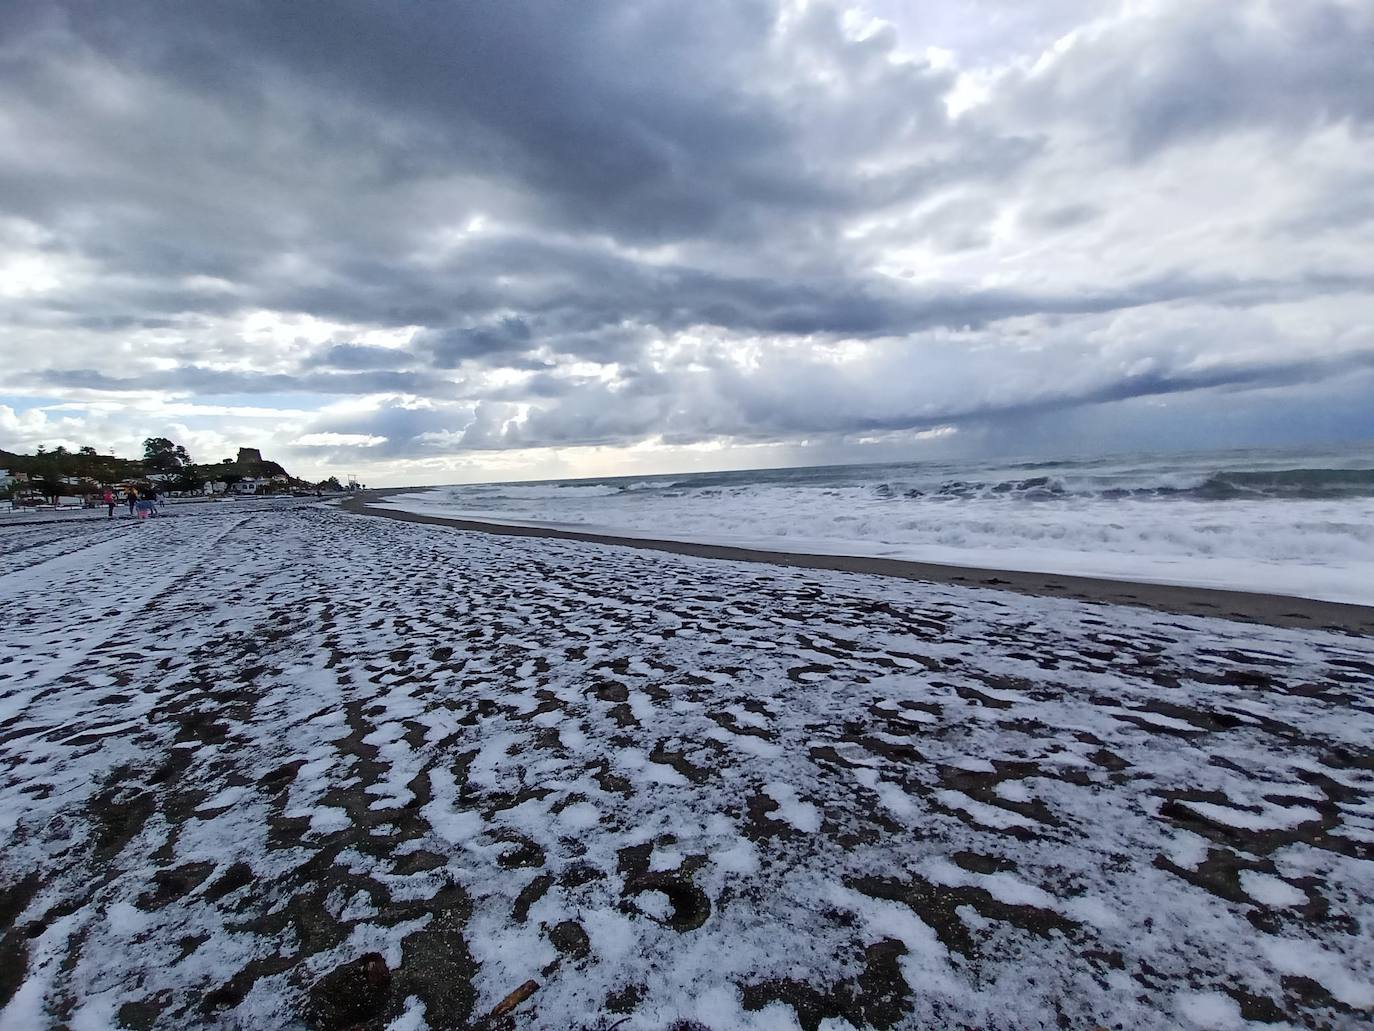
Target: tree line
<point>164,462</point>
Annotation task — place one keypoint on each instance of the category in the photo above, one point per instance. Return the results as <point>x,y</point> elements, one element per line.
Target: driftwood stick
<point>513,1000</point>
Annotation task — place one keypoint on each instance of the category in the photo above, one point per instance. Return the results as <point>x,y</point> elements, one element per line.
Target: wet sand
<point>1244,606</point>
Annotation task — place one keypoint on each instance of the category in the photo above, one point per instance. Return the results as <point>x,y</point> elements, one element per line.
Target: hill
<point>168,465</point>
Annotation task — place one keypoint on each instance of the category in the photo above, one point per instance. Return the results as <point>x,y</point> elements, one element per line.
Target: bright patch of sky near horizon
<point>519,242</point>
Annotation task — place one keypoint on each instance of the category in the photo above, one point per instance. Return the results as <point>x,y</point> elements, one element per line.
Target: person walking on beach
<point>109,500</point>
<point>131,496</point>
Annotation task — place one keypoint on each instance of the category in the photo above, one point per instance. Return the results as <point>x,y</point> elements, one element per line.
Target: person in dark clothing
<point>131,496</point>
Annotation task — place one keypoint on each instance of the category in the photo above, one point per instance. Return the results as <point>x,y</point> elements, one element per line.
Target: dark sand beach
<point>313,769</point>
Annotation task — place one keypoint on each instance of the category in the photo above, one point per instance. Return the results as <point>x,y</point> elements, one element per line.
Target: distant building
<point>249,455</point>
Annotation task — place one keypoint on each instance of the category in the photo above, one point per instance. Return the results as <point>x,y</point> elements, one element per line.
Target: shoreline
<point>1241,606</point>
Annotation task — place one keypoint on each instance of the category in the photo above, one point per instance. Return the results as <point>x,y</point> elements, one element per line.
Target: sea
<point>1296,522</point>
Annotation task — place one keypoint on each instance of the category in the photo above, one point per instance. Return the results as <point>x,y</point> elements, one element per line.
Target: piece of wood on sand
<point>513,1000</point>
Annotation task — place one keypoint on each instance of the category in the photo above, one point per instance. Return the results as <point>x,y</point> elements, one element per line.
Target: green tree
<point>47,477</point>
<point>160,455</point>
<point>188,479</point>
<point>86,462</point>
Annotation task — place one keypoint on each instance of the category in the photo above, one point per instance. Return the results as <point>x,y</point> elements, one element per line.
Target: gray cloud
<point>600,222</point>
<point>360,356</point>
<point>449,348</point>
<point>811,400</point>
<point>1194,70</point>
<point>192,379</point>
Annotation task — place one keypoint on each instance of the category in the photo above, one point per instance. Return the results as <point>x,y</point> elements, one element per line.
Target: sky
<point>432,242</point>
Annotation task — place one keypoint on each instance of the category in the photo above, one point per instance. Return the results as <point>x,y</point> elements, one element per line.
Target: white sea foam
<point>550,491</point>
<point>1265,527</point>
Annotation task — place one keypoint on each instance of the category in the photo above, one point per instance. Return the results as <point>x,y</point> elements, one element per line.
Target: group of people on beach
<point>143,504</point>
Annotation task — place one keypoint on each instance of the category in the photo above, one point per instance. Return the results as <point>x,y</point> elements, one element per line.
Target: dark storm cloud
<point>449,348</point>
<point>724,404</point>
<point>192,379</point>
<point>117,323</point>
<point>576,301</point>
<point>325,131</point>
<point>525,186</point>
<point>564,97</point>
<point>635,120</point>
<point>360,356</point>
<point>849,407</point>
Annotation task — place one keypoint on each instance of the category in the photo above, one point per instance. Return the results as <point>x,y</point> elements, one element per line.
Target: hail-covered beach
<point>279,765</point>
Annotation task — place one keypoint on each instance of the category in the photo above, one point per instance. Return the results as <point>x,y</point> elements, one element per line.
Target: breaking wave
<point>1269,521</point>
<point>1248,485</point>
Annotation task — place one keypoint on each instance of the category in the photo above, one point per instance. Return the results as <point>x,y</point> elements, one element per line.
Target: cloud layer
<point>441,240</point>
